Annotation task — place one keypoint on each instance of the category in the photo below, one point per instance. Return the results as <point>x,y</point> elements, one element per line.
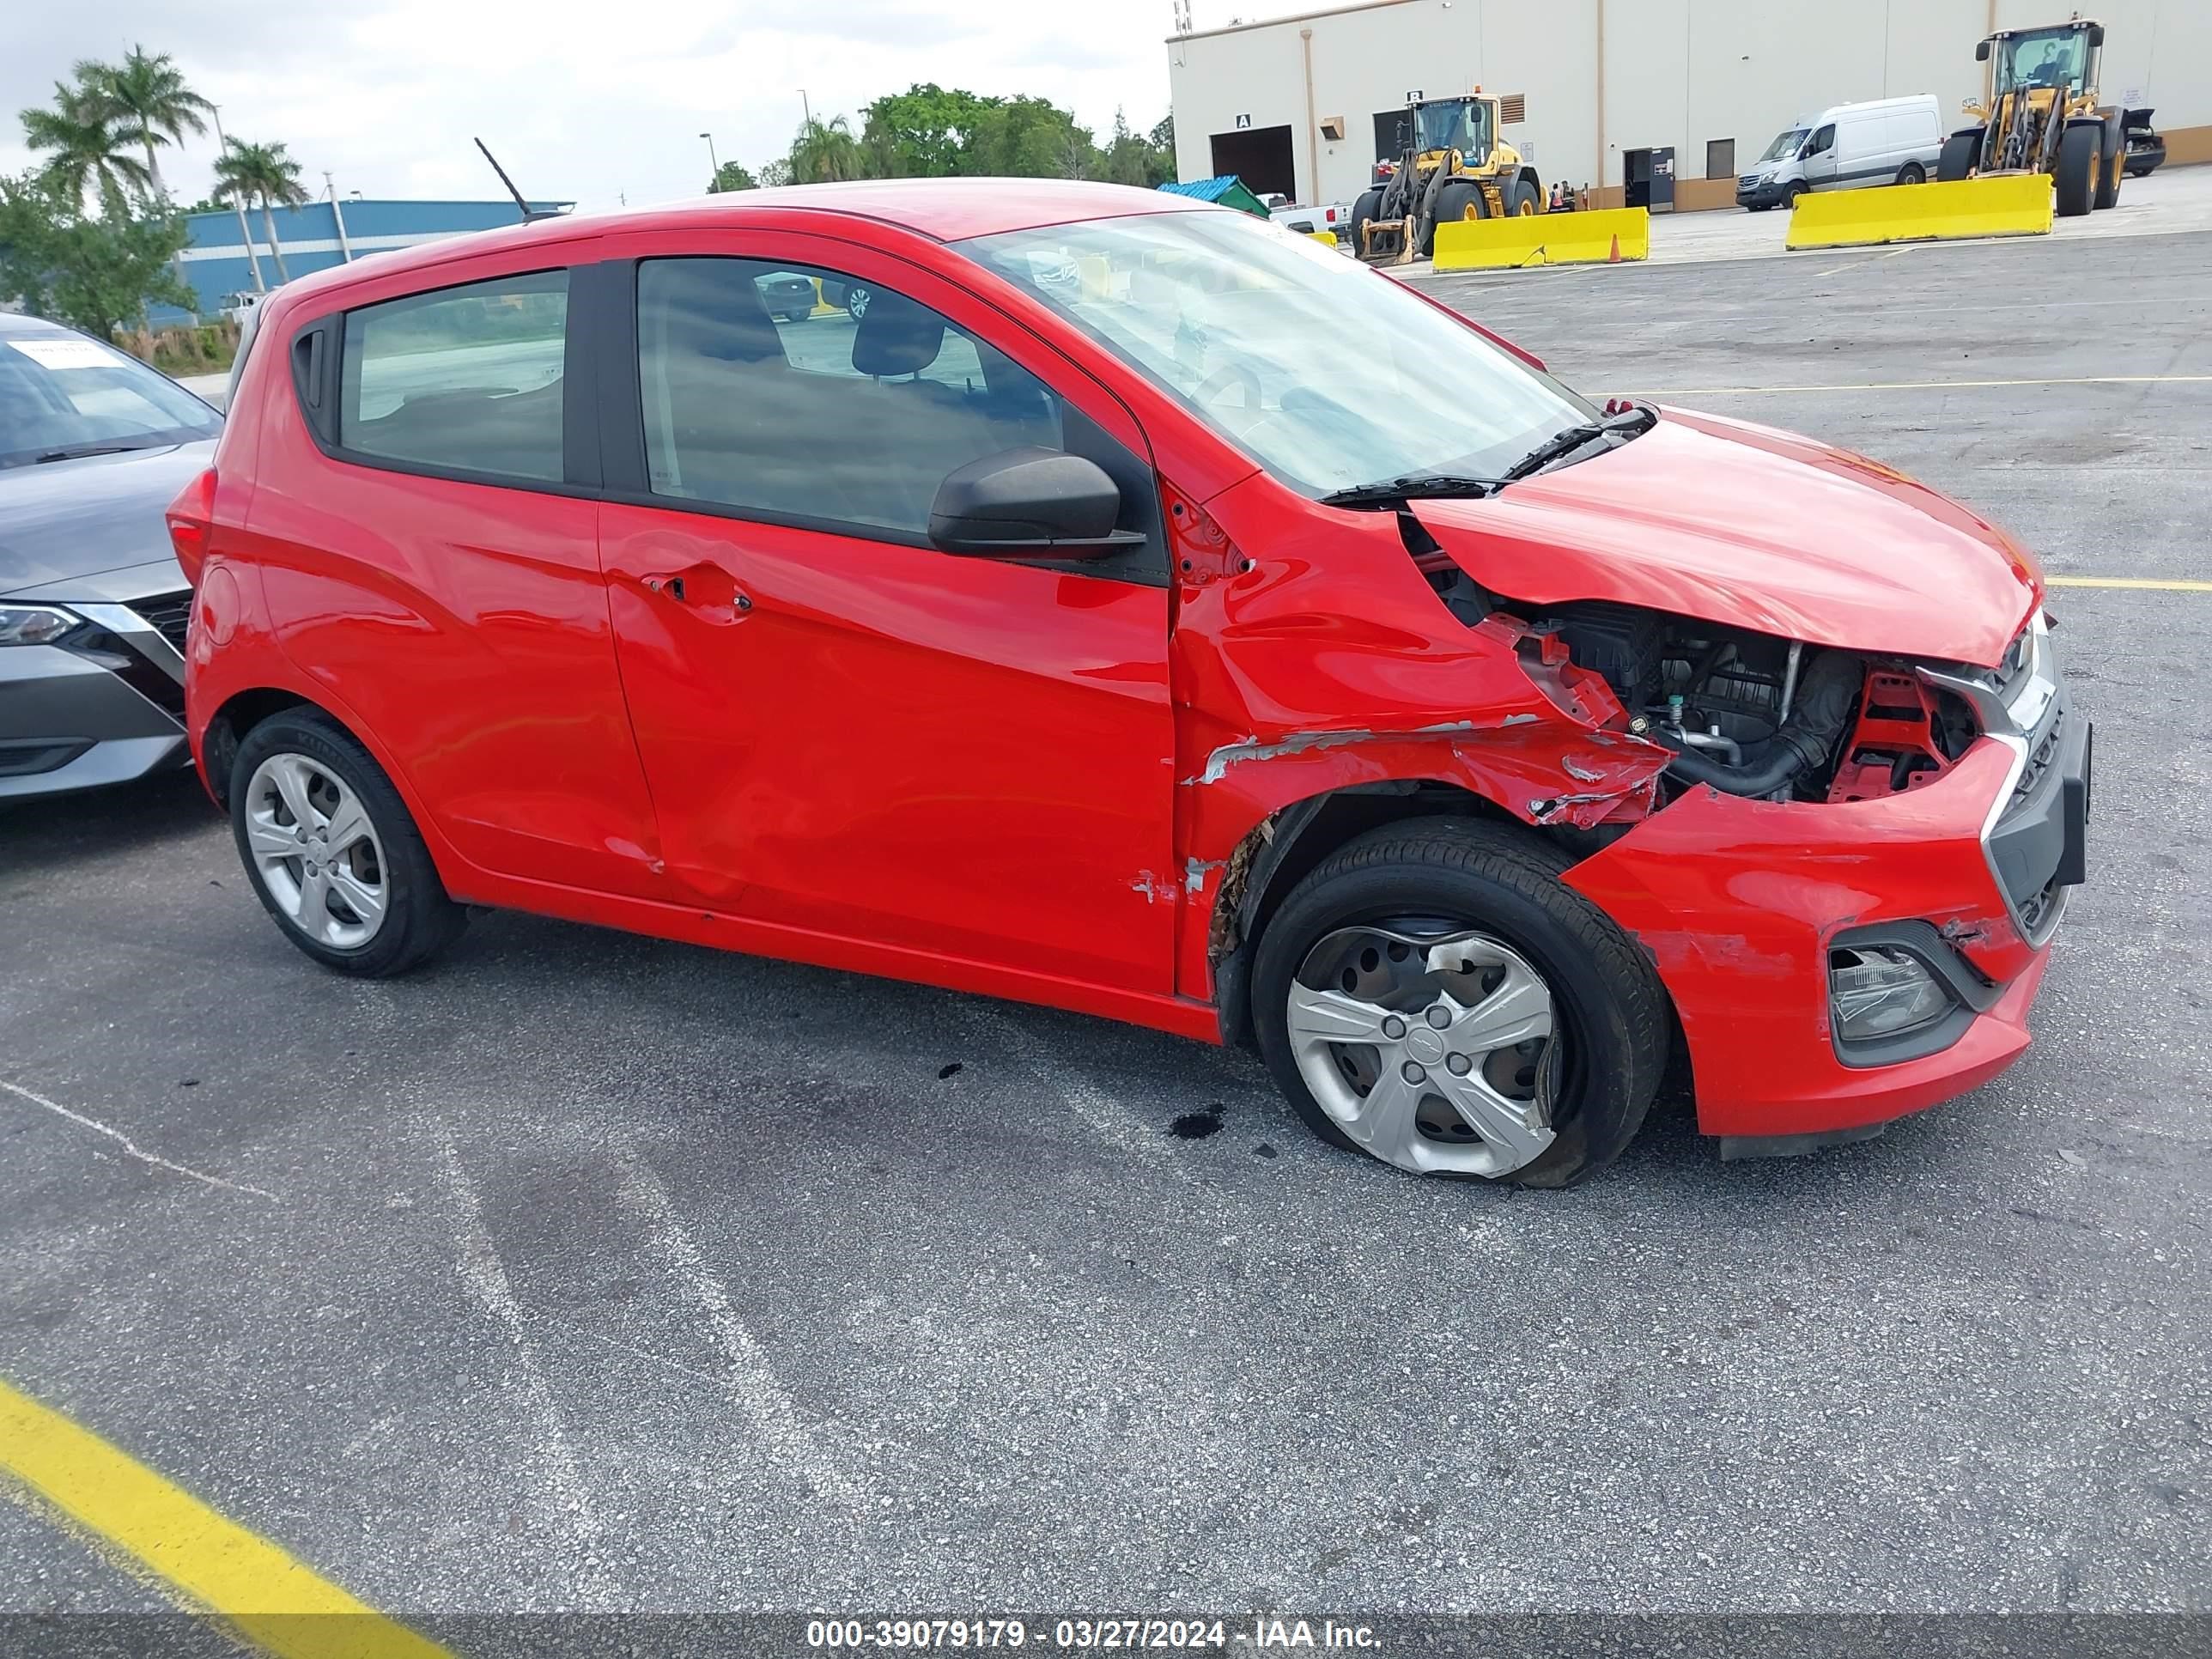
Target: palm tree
<point>150,101</point>
<point>89,145</point>
<point>826,150</point>
<point>261,173</point>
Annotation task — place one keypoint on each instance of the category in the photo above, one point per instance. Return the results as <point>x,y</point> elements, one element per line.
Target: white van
<point>1892,141</point>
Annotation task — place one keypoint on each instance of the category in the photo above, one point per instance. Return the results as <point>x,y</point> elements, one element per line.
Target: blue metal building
<point>318,236</point>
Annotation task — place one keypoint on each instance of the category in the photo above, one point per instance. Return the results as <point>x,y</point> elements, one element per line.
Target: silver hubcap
<point>1434,1051</point>
<point>316,852</point>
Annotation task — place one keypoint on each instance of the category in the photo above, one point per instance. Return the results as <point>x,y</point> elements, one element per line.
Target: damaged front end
<point>1842,863</point>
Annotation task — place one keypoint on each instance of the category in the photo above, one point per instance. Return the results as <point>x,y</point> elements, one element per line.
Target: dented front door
<point>848,733</point>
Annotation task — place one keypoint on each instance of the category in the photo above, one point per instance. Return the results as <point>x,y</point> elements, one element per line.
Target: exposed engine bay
<point>1770,718</point>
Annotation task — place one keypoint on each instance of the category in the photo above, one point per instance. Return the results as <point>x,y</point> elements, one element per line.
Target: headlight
<point>33,624</point>
<point>1878,991</point>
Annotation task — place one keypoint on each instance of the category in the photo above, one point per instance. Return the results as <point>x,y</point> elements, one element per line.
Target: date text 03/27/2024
<point>1124,1633</point>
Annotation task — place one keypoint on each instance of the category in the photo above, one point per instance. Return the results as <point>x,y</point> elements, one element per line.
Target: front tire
<point>1433,994</point>
<point>1364,211</point>
<point>1525,203</point>
<point>332,851</point>
<point>1957,159</point>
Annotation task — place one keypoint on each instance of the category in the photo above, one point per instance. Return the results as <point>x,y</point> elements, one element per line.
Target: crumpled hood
<point>1742,525</point>
<point>71,519</point>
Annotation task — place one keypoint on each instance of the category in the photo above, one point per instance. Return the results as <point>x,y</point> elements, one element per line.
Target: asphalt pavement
<point>582,1270</point>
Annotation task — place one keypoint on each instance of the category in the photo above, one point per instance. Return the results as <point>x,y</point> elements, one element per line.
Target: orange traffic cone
<point>1613,258</point>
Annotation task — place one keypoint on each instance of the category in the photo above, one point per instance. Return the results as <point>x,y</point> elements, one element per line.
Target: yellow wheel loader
<point>1453,164</point>
<point>2039,113</point>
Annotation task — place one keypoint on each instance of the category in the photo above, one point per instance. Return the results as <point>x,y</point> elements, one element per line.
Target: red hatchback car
<point>1052,628</point>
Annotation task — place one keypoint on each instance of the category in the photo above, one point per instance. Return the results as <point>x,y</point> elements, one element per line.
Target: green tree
<point>730,175</point>
<point>1028,138</point>
<point>86,145</point>
<point>265,174</point>
<point>924,133</point>
<point>150,101</point>
<point>774,172</point>
<point>1129,158</point>
<point>95,272</point>
<point>826,151</point>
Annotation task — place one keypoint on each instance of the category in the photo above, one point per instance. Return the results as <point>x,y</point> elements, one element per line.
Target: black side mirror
<point>1981,53</point>
<point>2096,34</point>
<point>1030,501</point>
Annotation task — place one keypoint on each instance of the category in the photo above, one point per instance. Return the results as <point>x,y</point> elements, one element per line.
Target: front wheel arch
<point>1286,846</point>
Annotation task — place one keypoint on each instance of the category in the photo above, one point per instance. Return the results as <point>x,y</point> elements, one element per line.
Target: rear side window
<point>803,394</point>
<point>465,380</point>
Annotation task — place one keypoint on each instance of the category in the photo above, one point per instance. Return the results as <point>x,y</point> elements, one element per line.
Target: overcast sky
<point>583,99</point>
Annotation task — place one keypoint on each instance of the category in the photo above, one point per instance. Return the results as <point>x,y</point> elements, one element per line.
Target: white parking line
<point>131,1146</point>
<point>484,1276</point>
<point>751,1380</point>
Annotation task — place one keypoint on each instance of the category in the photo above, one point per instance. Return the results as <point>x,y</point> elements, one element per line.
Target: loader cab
<point>1460,124</point>
<point>2061,59</point>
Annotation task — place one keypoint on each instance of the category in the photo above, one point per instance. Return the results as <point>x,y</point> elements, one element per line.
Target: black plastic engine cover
<point>1623,643</point>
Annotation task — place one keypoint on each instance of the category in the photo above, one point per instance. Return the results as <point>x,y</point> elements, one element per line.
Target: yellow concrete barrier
<point>1543,239</point>
<point>1326,237</point>
<point>2010,204</point>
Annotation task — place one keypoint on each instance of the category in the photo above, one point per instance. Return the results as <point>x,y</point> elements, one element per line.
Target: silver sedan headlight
<point>33,624</point>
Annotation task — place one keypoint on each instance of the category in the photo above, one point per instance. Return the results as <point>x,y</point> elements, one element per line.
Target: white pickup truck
<point>1335,218</point>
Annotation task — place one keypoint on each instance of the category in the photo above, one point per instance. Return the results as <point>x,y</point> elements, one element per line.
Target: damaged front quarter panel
<point>1340,683</point>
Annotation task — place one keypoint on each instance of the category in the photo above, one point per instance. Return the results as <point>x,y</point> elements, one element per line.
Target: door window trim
<point>622,448</point>
<point>317,349</point>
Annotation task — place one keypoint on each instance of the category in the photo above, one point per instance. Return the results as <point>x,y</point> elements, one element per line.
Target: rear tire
<point>383,860</point>
<point>1961,150</point>
<point>2077,175</point>
<point>2109,165</point>
<point>1449,877</point>
<point>1912,174</point>
<point>1526,203</point>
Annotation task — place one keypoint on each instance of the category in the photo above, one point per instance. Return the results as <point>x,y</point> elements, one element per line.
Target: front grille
<point>2038,761</point>
<point>169,613</point>
<point>2036,909</point>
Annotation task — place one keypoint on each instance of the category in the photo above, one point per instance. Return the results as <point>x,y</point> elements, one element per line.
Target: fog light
<point>1878,991</point>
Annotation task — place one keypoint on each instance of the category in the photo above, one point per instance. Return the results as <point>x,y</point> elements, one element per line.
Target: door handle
<point>707,589</point>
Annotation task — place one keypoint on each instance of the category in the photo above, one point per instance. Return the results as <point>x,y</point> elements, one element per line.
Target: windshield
<point>1326,373</point>
<point>2055,60</point>
<point>1462,125</point>
<point>1784,147</point>
<point>62,394</point>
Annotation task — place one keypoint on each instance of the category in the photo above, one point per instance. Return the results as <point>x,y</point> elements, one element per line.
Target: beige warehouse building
<point>1616,93</point>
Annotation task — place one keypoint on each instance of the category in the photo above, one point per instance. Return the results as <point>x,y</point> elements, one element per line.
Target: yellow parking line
<point>1936,385</point>
<point>276,1603</point>
<point>2157,584</point>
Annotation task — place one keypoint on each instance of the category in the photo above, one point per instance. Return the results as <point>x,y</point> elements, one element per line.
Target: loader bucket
<point>1996,204</point>
<point>1389,242</point>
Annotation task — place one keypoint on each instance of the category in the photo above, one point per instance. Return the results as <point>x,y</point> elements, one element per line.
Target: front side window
<point>1823,141</point>
<point>803,393</point>
<point>468,378</point>
<point>64,395</point>
<point>1326,373</point>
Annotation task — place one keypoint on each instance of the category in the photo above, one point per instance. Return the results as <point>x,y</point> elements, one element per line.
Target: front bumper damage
<point>1741,903</point>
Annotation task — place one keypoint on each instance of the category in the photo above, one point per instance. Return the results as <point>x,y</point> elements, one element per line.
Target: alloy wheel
<point>316,850</point>
<point>1432,1047</point>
